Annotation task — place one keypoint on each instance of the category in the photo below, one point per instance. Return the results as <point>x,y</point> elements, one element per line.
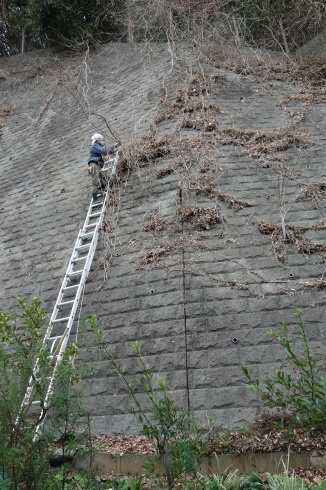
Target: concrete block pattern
<point>200,300</point>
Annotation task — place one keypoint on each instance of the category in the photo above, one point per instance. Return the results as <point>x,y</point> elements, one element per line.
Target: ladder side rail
<point>115,163</point>
<point>59,357</point>
<point>47,334</point>
<point>87,260</point>
<point>65,336</point>
<point>81,286</point>
<point>49,329</point>
<point>115,160</point>
<point>89,213</point>
<point>71,320</point>
<point>82,282</point>
<point>83,279</point>
<point>86,269</point>
<point>60,295</point>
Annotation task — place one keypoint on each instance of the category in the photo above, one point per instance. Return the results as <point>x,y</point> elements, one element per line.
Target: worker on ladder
<point>96,162</point>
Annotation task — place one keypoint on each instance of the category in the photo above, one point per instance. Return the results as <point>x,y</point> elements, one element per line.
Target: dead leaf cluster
<point>196,245</point>
<point>4,111</point>
<point>198,86</point>
<point>122,444</point>
<point>237,285</point>
<point>265,440</point>
<point>219,78</point>
<point>309,96</point>
<point>180,163</point>
<point>154,223</point>
<point>203,185</point>
<point>182,105</point>
<point>148,148</point>
<point>311,71</point>
<point>313,192</point>
<point>277,164</point>
<point>114,200</point>
<point>106,261</point>
<point>310,476</point>
<point>155,256</point>
<point>259,439</point>
<point>163,172</point>
<point>320,283</point>
<point>307,246</point>
<point>265,142</point>
<point>202,218</point>
<point>235,204</point>
<point>292,235</point>
<point>202,123</point>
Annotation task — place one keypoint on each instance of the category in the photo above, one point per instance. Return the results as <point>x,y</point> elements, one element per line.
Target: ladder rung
<point>94,215</point>
<point>85,247</point>
<point>90,226</point>
<point>55,337</point>
<point>58,320</point>
<point>75,273</point>
<point>96,204</point>
<point>87,235</point>
<point>78,259</point>
<point>35,402</point>
<point>66,303</point>
<point>70,287</point>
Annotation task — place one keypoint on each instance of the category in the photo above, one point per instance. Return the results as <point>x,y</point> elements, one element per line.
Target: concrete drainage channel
<point>276,462</point>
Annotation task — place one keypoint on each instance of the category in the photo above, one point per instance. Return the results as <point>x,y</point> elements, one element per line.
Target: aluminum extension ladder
<point>58,331</point>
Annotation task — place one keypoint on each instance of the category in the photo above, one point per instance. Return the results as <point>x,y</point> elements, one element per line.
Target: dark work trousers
<point>98,178</point>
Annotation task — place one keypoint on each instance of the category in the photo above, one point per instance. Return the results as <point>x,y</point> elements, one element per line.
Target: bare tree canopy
<point>73,24</point>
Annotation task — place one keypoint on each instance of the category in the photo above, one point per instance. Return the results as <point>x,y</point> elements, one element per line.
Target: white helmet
<point>96,137</point>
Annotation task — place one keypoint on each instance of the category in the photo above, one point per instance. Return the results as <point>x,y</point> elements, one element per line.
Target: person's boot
<point>94,196</point>
<point>101,186</point>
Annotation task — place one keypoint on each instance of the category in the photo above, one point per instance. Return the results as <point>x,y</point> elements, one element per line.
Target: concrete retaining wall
<point>200,301</point>
<point>130,464</point>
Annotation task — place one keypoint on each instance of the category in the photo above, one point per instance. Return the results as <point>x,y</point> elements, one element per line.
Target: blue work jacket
<point>97,151</point>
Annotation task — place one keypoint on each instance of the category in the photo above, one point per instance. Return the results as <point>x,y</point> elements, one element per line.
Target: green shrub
<point>23,457</point>
<point>299,387</point>
<point>179,439</point>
